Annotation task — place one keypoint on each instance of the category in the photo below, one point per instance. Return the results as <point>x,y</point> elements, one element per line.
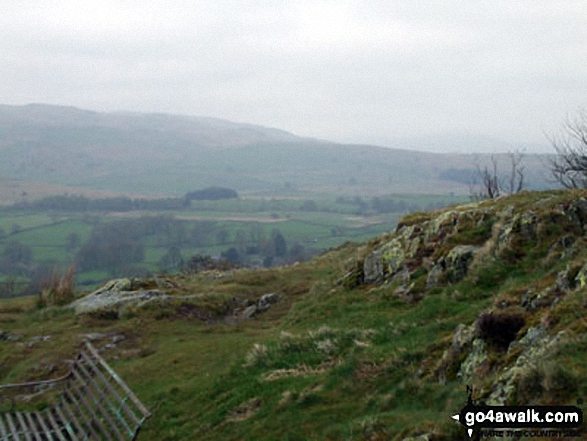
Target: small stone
<point>93,336</point>
<point>8,336</point>
<point>249,312</point>
<point>117,339</point>
<point>268,299</point>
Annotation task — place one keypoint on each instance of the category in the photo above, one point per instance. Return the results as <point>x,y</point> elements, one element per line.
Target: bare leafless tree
<point>488,183</point>
<point>516,181</point>
<point>569,166</point>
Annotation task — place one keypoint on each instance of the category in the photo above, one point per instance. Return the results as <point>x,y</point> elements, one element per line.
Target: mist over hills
<point>462,142</point>
<point>172,154</point>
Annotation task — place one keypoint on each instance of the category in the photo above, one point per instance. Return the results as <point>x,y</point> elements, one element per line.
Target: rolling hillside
<point>169,155</point>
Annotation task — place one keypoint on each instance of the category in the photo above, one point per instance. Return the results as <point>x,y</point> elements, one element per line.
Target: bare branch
<point>492,184</point>
<point>569,166</point>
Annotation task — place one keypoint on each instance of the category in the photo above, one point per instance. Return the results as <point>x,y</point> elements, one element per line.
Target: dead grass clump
<point>58,289</point>
<point>244,411</point>
<point>549,380</point>
<point>300,371</point>
<point>257,356</point>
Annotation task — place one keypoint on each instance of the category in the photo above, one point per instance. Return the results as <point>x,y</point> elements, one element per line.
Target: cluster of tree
<point>113,246</point>
<point>117,244</point>
<point>309,205</point>
<point>172,260</point>
<point>24,275</point>
<point>378,205</point>
<point>11,286</point>
<point>16,259</point>
<point>211,194</point>
<point>199,262</point>
<point>256,244</point>
<point>260,250</point>
<point>72,203</point>
<point>75,203</point>
<point>253,249</point>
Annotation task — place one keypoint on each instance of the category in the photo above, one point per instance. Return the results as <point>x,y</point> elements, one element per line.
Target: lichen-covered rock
<point>267,300</point>
<point>111,299</point>
<point>522,226</point>
<point>434,275</point>
<point>249,312</point>
<point>125,284</point>
<point>527,224</point>
<point>454,266</point>
<point>476,359</point>
<point>577,210</point>
<point>373,267</point>
<point>537,345</point>
<point>565,280</point>
<point>563,248</point>
<point>462,339</point>
<point>581,278</point>
<point>392,257</point>
<point>532,300</point>
<point>463,336</point>
<point>458,261</point>
<point>384,262</point>
<point>505,236</point>
<point>440,226</point>
<point>9,336</point>
<point>413,247</point>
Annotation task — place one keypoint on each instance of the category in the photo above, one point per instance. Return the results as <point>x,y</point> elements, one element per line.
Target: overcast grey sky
<point>340,70</point>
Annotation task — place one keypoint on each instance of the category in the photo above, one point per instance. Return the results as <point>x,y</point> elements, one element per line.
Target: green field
<point>312,222</point>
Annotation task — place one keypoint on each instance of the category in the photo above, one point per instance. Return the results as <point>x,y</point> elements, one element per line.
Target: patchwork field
<point>54,238</point>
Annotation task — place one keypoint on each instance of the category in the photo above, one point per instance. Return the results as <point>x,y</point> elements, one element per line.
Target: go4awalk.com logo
<point>537,421</point>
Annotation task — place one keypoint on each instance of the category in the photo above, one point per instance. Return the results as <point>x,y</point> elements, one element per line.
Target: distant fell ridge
<point>212,131</point>
<point>172,154</point>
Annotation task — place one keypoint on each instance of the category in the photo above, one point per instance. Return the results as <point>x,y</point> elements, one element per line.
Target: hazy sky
<point>341,70</point>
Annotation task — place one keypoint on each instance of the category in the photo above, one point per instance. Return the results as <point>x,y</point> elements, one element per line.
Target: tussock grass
<point>58,289</point>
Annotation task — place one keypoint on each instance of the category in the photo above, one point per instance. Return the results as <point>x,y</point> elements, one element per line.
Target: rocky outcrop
<point>454,266</point>
<point>121,295</point>
<point>476,359</point>
<point>250,308</point>
<point>536,346</point>
<point>114,295</point>
<point>412,245</point>
<point>388,260</point>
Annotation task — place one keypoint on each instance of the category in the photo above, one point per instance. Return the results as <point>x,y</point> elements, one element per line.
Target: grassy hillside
<point>374,341</point>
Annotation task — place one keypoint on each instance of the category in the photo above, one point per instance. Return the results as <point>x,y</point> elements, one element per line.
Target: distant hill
<point>172,154</point>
